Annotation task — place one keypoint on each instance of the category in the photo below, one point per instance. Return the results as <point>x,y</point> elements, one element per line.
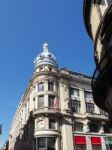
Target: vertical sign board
<point>0,129</point>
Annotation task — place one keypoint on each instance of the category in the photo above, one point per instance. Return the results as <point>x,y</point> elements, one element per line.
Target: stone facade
<point>57,111</point>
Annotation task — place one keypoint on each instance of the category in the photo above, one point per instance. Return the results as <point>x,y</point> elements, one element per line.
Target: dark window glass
<point>93,127</point>
<point>89,107</point>
<point>88,95</point>
<point>46,143</point>
<point>51,86</point>
<point>40,86</point>
<point>51,101</point>
<point>108,128</point>
<point>51,123</point>
<point>78,126</point>
<point>75,106</point>
<point>74,92</point>
<point>42,143</point>
<point>40,101</point>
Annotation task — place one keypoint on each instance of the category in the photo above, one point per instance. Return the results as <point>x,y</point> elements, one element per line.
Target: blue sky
<point>24,26</point>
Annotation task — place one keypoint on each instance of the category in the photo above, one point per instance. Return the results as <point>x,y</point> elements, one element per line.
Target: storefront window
<point>96,143</point>
<point>80,143</point>
<point>47,143</point>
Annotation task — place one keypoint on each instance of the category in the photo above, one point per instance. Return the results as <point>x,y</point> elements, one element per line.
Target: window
<point>51,101</point>
<point>40,101</point>
<point>75,106</point>
<point>50,86</point>
<point>51,123</point>
<point>89,108</point>
<point>88,95</point>
<point>41,86</point>
<point>74,92</point>
<point>108,127</point>
<point>93,127</point>
<point>102,112</point>
<point>78,126</point>
<point>46,143</point>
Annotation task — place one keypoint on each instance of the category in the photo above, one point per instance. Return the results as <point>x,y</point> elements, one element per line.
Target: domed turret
<point>45,58</point>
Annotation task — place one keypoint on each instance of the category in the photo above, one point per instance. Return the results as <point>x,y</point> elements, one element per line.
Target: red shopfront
<point>80,142</point>
<point>96,143</point>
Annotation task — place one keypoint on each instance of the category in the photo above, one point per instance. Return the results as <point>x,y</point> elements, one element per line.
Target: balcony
<point>102,83</point>
<point>46,110</point>
<point>96,116</point>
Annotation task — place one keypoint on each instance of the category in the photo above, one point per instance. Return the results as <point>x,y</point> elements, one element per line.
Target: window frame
<point>41,101</point>
<point>75,106</point>
<point>88,108</point>
<point>75,92</point>
<point>40,86</point>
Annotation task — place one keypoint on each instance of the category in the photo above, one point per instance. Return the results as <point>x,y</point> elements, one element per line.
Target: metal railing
<point>102,67</point>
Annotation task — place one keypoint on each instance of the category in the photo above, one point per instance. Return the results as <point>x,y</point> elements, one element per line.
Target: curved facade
<point>98,22</point>
<point>57,111</point>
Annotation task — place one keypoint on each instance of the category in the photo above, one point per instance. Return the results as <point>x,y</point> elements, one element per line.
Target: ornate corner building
<point>98,22</point>
<point>57,111</point>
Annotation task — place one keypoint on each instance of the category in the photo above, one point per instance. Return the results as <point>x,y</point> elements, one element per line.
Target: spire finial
<point>45,47</point>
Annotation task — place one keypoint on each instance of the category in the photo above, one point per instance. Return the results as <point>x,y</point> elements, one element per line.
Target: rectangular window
<point>50,86</point>
<point>78,126</point>
<point>88,95</point>
<point>51,124</point>
<point>89,107</point>
<point>47,143</point>
<point>40,101</point>
<point>75,106</point>
<point>51,101</point>
<point>102,112</point>
<point>74,92</point>
<point>41,86</point>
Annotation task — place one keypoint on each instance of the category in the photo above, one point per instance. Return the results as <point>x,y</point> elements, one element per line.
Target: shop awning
<point>80,140</point>
<point>96,140</point>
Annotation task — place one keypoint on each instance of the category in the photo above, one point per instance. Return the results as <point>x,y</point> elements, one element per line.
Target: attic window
<point>49,55</point>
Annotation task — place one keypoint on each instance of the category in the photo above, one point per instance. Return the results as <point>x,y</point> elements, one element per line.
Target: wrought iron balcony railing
<point>102,83</point>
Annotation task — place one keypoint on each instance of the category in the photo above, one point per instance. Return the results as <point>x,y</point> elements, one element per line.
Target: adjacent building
<point>57,111</point>
<point>98,23</point>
